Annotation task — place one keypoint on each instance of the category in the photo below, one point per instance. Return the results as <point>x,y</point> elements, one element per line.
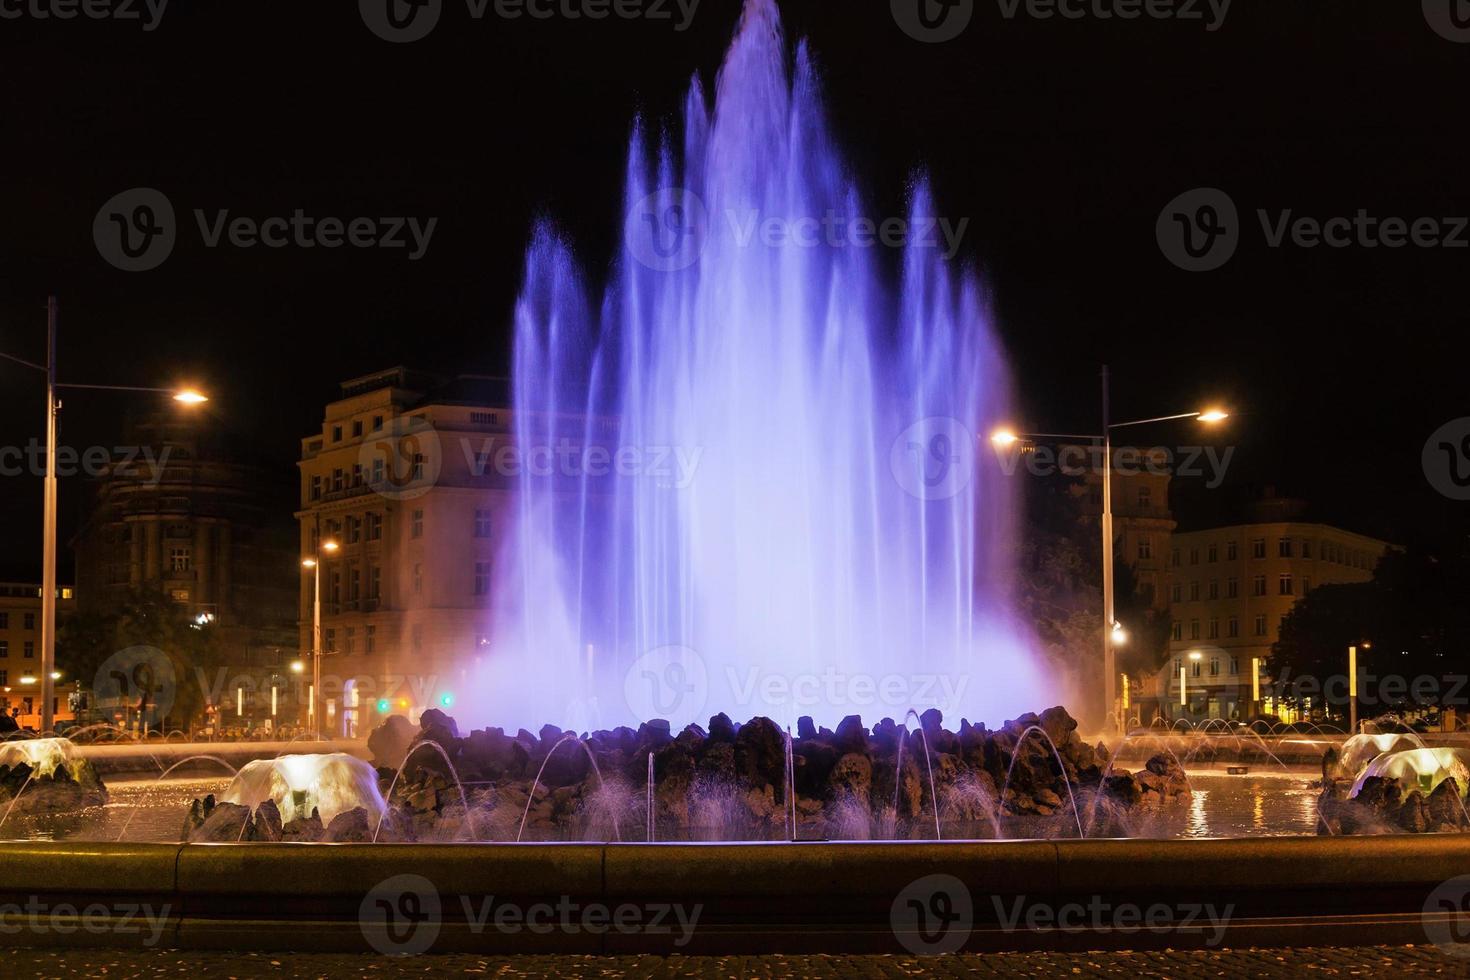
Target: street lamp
<point>1005,437</point>
<point>315,565</point>
<point>186,396</point>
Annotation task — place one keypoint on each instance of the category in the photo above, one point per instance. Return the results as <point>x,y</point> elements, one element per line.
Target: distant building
<point>20,652</point>
<point>1142,522</point>
<point>1231,588</point>
<point>193,516</point>
<point>402,478</point>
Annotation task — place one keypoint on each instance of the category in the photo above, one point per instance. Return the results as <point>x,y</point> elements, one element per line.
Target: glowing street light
<point>314,564</point>
<point>1213,415</point>
<point>297,667</point>
<point>190,396</point>
<point>1005,437</point>
<point>1120,635</point>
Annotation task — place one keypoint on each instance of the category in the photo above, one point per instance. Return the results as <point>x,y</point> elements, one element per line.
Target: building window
<point>1174,558</point>
<point>336,433</point>
<point>1214,629</point>
<point>316,487</point>
<point>1232,552</point>
<point>1258,585</point>
<point>354,530</point>
<point>354,585</point>
<point>1283,548</point>
<point>377,423</point>
<point>1178,630</point>
<point>1145,548</point>
<point>356,428</point>
<point>1232,588</point>
<point>1194,556</point>
<point>337,480</point>
<point>334,588</point>
<point>1232,628</point>
<point>4,678</point>
<point>378,472</point>
<point>178,559</point>
<point>357,474</point>
<point>1145,497</point>
<point>1258,548</point>
<point>4,620</point>
<point>375,527</point>
<point>1234,666</point>
<point>1306,585</point>
<point>418,579</point>
<point>1214,666</point>
<point>29,650</point>
<point>29,621</point>
<point>482,578</point>
<point>1307,550</point>
<point>482,525</point>
<point>1178,592</point>
<point>1195,667</point>
<point>349,640</point>
<point>370,638</point>
<point>1214,592</point>
<point>1213,554</point>
<point>329,640</point>
<point>418,637</point>
<point>1194,592</point>
<point>1194,629</point>
<point>1285,587</point>
<point>418,466</point>
<point>180,596</point>
<point>1261,625</point>
<point>4,648</point>
<point>375,583</point>
<point>416,526</point>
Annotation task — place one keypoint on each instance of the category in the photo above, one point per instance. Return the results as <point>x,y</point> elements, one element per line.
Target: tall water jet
<point>750,476</point>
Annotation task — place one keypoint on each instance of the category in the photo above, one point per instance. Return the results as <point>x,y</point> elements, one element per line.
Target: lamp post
<point>48,499</point>
<point>1113,633</point>
<point>314,699</point>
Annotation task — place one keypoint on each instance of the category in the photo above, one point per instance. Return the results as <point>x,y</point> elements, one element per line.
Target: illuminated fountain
<point>299,784</point>
<point>773,468</point>
<point>46,774</point>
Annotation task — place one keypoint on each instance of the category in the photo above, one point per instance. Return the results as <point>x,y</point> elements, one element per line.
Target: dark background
<point>1061,141</point>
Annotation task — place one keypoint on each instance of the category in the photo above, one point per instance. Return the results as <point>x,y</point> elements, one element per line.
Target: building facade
<point>402,510</point>
<point>1231,588</point>
<point>188,513</point>
<point>20,652</point>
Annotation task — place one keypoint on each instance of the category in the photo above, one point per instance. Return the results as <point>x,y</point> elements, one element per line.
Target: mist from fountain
<point>772,466</point>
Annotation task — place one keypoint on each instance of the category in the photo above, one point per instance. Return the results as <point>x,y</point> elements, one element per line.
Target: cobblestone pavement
<point>1395,961</point>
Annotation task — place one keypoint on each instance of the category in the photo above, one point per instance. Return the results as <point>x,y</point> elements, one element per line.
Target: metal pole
<point>1352,690</point>
<point>1109,666</point>
<point>316,650</point>
<point>48,559</point>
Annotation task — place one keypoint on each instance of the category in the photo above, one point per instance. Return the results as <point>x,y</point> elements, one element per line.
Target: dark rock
<point>805,728</point>
<point>350,827</point>
<point>721,729</point>
<point>389,742</point>
<point>851,735</point>
<point>852,778</point>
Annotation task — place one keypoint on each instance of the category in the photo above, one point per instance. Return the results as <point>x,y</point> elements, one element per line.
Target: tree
<point>87,642</point>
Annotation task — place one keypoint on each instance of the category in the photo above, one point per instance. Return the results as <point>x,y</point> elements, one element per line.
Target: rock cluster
<point>229,823</point>
<point>1382,807</point>
<point>731,781</point>
<point>71,785</point>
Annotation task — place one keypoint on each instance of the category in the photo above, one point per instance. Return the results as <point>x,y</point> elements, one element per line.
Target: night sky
<point>1060,140</point>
